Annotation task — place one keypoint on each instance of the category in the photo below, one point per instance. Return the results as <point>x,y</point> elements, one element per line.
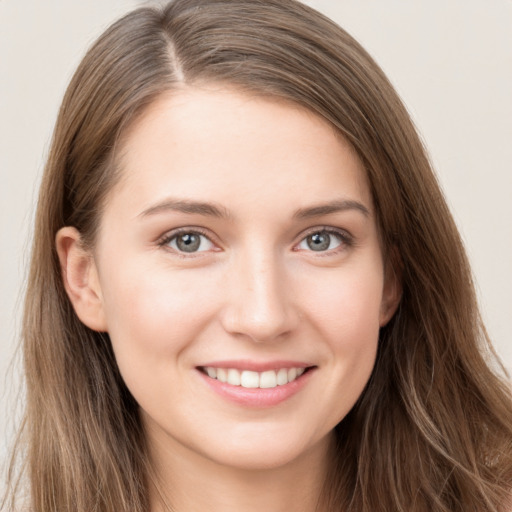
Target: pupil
<point>188,242</point>
<point>319,241</point>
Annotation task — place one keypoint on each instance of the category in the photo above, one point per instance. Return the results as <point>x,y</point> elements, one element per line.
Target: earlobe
<point>80,278</point>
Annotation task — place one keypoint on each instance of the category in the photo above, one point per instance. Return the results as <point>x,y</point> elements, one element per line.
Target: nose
<point>259,303</point>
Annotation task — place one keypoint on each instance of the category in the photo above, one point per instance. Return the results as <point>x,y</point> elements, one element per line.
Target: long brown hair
<point>433,429</point>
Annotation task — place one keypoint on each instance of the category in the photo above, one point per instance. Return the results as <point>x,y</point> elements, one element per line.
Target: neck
<point>188,482</point>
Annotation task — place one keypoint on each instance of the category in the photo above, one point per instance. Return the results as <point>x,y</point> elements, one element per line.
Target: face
<point>239,275</point>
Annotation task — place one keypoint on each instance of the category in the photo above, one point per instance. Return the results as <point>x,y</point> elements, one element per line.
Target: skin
<point>255,291</point>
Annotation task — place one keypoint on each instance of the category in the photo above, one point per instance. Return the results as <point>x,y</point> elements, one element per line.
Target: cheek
<point>154,315</point>
<point>346,304</point>
<point>346,312</point>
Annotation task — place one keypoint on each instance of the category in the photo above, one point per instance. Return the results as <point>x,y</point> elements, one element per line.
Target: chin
<point>267,452</point>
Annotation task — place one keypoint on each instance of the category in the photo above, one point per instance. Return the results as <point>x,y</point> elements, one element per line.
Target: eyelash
<point>169,237</point>
<point>346,239</point>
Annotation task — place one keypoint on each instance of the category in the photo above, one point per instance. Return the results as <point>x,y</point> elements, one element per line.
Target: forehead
<point>218,144</point>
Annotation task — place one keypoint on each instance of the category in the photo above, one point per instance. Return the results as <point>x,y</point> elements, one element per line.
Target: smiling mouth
<point>251,379</point>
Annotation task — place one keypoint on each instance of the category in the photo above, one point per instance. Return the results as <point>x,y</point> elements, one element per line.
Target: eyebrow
<point>331,207</point>
<point>186,206</point>
<point>214,210</point>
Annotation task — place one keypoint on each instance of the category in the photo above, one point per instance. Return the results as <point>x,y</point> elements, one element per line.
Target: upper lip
<point>255,366</point>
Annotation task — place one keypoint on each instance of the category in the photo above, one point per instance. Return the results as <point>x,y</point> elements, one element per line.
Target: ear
<point>80,278</point>
<point>392,290</point>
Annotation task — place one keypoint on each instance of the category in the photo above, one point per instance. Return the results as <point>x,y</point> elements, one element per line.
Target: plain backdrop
<point>450,60</point>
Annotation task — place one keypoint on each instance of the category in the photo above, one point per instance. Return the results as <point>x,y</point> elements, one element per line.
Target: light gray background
<point>451,61</point>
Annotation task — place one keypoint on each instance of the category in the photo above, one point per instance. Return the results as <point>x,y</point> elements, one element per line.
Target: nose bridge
<point>259,303</point>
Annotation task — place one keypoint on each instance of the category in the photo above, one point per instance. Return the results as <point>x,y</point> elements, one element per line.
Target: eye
<point>188,242</point>
<point>322,240</point>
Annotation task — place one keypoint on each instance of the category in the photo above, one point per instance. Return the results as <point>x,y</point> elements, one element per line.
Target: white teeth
<point>222,374</point>
<point>282,377</point>
<point>249,379</point>
<point>268,379</point>
<point>233,377</point>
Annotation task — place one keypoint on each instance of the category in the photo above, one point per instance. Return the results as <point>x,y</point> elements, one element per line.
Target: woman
<point>246,288</point>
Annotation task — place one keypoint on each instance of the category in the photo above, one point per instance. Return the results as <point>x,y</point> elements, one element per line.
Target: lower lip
<point>257,397</point>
